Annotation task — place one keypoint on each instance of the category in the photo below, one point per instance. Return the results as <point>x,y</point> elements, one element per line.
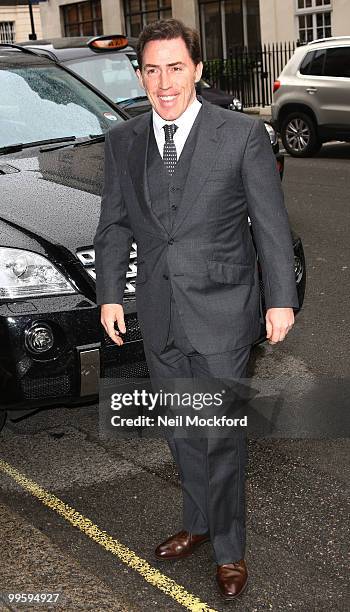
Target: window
<point>82,18</point>
<point>333,62</point>
<point>43,102</point>
<point>226,24</point>
<point>313,63</point>
<point>314,19</point>
<point>305,4</point>
<point>338,62</point>
<point>112,73</point>
<point>7,31</point>
<point>139,13</point>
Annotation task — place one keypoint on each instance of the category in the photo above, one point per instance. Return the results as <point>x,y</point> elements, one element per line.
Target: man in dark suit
<point>182,181</point>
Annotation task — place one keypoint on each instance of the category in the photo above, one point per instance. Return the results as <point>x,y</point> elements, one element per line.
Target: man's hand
<point>109,314</point>
<point>279,321</point>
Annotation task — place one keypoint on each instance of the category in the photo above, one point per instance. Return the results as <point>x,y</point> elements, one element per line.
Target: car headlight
<point>25,274</point>
<point>235,105</point>
<point>271,132</point>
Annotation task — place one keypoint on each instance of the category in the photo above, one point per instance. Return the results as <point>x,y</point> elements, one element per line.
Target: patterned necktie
<point>169,151</point>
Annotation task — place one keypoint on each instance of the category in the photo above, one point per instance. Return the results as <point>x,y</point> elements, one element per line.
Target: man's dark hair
<point>167,29</point>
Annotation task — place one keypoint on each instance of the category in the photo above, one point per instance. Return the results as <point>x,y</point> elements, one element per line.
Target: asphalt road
<point>81,515</point>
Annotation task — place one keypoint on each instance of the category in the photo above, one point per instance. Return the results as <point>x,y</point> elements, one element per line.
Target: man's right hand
<point>111,313</point>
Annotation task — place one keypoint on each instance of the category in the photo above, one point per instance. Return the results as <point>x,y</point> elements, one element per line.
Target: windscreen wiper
<point>85,140</point>
<point>19,146</point>
<point>128,101</point>
<point>90,140</point>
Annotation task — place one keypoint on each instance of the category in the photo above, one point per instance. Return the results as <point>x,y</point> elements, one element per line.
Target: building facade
<point>15,23</point>
<point>303,20</point>
<point>223,24</point>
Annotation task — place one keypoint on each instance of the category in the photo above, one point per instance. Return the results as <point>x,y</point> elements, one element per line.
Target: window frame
<point>8,27</point>
<point>94,20</point>
<point>313,10</point>
<point>142,13</point>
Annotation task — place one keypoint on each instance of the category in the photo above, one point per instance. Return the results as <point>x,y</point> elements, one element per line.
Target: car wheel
<point>299,135</point>
<point>3,415</point>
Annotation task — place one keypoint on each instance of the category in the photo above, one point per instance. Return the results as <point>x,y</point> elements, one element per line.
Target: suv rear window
<point>337,62</point>
<point>313,63</point>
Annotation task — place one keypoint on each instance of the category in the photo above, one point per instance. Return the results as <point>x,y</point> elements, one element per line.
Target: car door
<point>325,78</point>
<point>334,95</point>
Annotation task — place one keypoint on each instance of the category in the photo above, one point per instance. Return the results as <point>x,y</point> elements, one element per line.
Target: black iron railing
<point>249,74</point>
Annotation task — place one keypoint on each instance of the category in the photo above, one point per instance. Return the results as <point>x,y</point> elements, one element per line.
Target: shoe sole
<point>182,556</point>
<point>232,597</point>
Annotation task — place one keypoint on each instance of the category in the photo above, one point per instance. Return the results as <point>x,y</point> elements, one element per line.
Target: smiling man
<point>182,180</point>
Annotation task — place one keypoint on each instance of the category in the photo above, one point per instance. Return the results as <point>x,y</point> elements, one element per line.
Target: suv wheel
<point>299,135</point>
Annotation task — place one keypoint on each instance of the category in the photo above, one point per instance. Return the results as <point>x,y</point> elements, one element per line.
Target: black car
<point>52,346</point>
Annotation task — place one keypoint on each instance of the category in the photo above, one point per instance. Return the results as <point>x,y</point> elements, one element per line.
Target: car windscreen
<point>46,102</point>
<point>113,74</point>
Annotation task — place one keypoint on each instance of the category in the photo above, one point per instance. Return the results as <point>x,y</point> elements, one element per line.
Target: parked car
<point>311,96</point>
<point>53,348</point>
<point>109,63</point>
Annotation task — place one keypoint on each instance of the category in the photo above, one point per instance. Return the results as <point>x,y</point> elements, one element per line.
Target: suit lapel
<point>205,152</point>
<point>137,161</point>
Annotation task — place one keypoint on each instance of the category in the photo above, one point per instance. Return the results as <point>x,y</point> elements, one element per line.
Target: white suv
<point>312,96</point>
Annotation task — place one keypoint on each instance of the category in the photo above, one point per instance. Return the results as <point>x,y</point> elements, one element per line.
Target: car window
<point>306,63</point>
<point>113,74</point>
<point>313,63</point>
<point>337,62</point>
<point>43,102</point>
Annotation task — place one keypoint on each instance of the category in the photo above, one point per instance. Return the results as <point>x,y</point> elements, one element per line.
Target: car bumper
<point>69,372</point>
<point>274,116</point>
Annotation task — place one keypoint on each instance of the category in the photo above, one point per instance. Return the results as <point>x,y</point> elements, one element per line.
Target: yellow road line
<point>124,554</point>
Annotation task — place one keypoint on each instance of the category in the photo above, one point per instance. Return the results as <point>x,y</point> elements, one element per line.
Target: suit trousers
<point>211,469</point>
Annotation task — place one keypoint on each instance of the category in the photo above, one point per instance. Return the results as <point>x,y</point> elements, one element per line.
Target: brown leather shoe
<point>232,579</point>
<point>180,545</point>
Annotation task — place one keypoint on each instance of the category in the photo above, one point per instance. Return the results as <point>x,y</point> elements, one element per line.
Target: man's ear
<point>198,72</point>
<point>139,75</point>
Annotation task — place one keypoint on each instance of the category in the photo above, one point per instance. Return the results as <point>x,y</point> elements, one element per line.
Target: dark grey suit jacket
<point>208,255</point>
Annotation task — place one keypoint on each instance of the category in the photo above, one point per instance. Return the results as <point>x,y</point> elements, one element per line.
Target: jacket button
<point>171,241</point>
<point>166,277</point>
<point>173,207</point>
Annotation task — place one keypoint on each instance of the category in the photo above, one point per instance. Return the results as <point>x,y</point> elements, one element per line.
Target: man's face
<point>168,76</point>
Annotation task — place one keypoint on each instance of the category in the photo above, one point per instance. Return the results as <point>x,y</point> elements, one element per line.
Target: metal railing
<point>249,74</point>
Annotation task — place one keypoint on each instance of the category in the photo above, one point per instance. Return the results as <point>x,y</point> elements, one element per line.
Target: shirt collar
<point>187,118</point>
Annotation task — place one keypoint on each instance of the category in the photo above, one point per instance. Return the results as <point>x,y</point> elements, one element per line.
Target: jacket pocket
<point>234,274</point>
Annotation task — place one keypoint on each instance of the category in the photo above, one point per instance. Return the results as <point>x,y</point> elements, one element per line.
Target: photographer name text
<point>178,421</point>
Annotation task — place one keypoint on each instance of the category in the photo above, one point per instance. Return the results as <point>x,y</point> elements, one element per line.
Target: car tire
<point>3,416</point>
<point>299,135</point>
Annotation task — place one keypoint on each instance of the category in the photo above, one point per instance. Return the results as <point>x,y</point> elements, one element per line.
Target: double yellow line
<point>122,552</point>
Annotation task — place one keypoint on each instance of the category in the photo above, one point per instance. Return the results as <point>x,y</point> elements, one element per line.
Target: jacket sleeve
<point>269,219</point>
<point>113,237</point>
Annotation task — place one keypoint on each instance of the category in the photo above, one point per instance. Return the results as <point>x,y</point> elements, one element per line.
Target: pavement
<point>80,515</point>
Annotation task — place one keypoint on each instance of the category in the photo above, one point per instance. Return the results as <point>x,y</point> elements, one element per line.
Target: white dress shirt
<point>184,124</point>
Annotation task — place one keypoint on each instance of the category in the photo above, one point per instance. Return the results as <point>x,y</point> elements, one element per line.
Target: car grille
<point>137,369</point>
<point>47,387</point>
<point>87,259</point>
<point>133,333</point>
